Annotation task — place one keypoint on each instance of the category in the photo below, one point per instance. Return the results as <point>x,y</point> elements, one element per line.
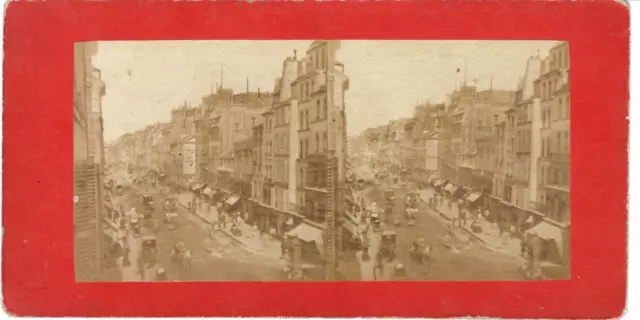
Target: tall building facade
<point>320,86</point>
<point>554,174</point>
<point>89,226</point>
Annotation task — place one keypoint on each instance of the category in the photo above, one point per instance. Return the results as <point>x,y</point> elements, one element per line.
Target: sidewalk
<point>490,234</point>
<point>250,238</point>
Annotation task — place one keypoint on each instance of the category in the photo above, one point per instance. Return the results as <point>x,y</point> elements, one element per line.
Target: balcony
<point>317,183</point>
<point>558,187</point>
<point>539,207</point>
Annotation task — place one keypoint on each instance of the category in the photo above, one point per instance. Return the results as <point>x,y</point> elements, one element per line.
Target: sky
<point>146,79</point>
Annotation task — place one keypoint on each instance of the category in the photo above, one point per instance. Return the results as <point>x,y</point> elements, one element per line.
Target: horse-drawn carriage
<point>149,249</point>
<point>375,221</point>
<point>134,224</point>
<point>420,251</point>
<point>147,203</point>
<point>181,255</point>
<point>170,208</point>
<point>388,195</point>
<point>411,207</point>
<point>387,246</point>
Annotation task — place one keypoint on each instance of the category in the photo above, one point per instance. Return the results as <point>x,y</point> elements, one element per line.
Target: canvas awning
<point>548,231</point>
<point>307,233</point>
<point>474,196</point>
<point>207,191</point>
<point>350,224</point>
<point>545,231</point>
<point>232,200</point>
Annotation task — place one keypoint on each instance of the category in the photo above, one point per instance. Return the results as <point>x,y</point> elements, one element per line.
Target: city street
<point>468,260</point>
<point>216,257</point>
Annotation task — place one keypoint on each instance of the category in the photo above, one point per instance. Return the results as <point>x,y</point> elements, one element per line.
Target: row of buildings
<point>509,148</point>
<point>92,231</point>
<point>283,151</point>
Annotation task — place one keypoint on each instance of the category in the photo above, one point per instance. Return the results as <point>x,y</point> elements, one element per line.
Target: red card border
<point>37,252</point>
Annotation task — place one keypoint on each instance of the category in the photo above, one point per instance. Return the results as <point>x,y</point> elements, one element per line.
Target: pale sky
<point>146,79</point>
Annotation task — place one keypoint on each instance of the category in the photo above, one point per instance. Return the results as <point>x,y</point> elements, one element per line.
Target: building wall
<point>80,142</point>
<point>189,157</point>
<point>293,154</point>
<point>431,155</point>
<point>87,179</point>
<point>535,152</point>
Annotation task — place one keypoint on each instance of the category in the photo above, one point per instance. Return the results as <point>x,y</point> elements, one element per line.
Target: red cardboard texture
<point>38,246</point>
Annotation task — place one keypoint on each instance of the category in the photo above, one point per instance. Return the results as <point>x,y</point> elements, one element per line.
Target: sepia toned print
<point>322,160</point>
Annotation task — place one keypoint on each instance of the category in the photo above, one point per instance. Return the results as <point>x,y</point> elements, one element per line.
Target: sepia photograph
<point>322,160</point>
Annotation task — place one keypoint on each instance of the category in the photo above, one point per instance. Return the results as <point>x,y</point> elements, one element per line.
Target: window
<point>306,118</point>
<point>300,153</point>
<point>324,108</point>
<point>324,58</point>
<point>306,147</point>
<point>544,90</point>
<point>543,147</point>
<point>559,140</point>
<point>316,60</point>
<point>325,141</point>
<point>566,141</point>
<point>548,146</point>
<point>317,142</point>
<point>301,121</point>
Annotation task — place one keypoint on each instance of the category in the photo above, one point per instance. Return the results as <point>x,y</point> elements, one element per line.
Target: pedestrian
<point>283,247</point>
<point>223,221</point>
<point>125,261</point>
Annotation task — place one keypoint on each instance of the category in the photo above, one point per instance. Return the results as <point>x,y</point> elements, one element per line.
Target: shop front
<point>465,176</point>
<point>224,180</point>
<point>496,208</point>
